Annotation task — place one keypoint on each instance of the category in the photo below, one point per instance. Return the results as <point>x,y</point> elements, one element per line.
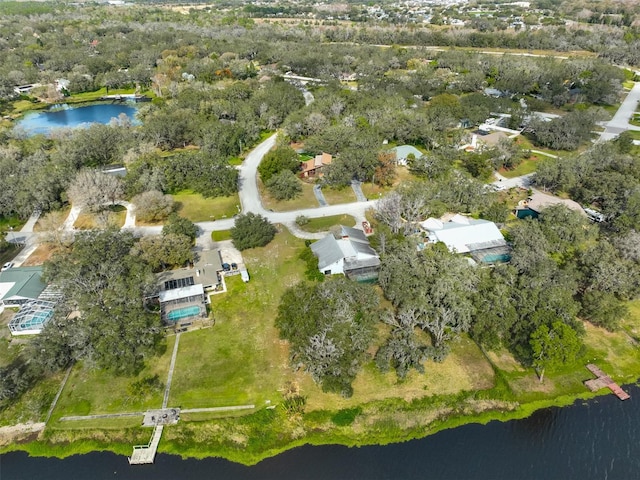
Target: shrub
<point>252,230</point>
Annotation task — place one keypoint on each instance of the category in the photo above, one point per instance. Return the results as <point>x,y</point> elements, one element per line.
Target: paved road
<point>620,121</point>
<point>249,195</point>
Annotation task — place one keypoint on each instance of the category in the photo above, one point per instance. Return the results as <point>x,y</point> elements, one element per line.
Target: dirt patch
<point>39,255</point>
<point>19,433</point>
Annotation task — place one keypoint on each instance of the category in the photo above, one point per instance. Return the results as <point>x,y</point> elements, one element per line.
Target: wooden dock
<point>603,380</point>
<point>145,454</point>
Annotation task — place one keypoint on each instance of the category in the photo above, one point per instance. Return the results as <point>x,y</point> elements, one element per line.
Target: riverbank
<point>194,445</point>
<point>241,360</point>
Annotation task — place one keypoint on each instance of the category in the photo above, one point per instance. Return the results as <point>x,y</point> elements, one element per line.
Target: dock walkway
<point>144,454</point>
<point>604,380</point>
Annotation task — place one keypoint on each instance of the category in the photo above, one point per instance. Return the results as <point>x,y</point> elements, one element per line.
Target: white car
<point>6,266</point>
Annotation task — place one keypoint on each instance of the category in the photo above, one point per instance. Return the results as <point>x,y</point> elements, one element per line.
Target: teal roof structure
<point>22,282</point>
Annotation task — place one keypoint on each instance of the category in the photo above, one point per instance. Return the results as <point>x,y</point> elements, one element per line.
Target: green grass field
<point>323,224</point>
<point>219,236</point>
<point>305,200</point>
<point>197,208</point>
<point>91,391</point>
<point>335,196</point>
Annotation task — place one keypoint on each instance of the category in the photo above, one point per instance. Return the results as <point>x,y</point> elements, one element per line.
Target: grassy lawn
<point>34,404</point>
<point>90,391</point>
<point>634,134</point>
<point>306,199</point>
<point>335,196</point>
<point>15,222</point>
<point>197,208</point>
<point>116,215</point>
<point>241,359</point>
<point>527,166</point>
<point>221,235</point>
<point>465,368</point>
<point>323,224</point>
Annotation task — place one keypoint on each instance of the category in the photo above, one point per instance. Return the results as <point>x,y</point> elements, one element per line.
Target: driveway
<point>248,182</point>
<point>620,121</point>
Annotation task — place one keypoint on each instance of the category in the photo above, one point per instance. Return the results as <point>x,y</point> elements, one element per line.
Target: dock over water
<point>604,380</point>
<point>145,454</point>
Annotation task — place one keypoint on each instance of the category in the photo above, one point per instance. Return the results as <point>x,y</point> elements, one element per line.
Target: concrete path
<point>546,154</point>
<point>356,186</point>
<point>30,246</point>
<point>71,218</point>
<point>620,121</point>
<point>317,191</point>
<point>218,409</point>
<point>28,227</point>
<point>75,418</point>
<point>57,397</point>
<point>167,389</point>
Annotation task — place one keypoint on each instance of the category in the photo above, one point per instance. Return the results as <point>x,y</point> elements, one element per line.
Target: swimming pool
<point>180,313</point>
<point>497,258</point>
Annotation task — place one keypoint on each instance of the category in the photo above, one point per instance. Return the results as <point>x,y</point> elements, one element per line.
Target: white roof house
<point>463,235</point>
<point>351,253</point>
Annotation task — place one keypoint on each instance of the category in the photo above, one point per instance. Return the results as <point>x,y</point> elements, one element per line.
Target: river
<point>44,121</point>
<point>598,439</point>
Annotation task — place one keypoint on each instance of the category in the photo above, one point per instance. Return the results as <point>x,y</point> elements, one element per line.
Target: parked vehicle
<point>6,266</point>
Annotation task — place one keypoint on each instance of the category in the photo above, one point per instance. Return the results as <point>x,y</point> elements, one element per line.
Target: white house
<point>350,255</point>
<point>463,235</point>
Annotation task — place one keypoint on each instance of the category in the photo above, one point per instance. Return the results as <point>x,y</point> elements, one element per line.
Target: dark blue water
<point>599,439</point>
<point>73,117</point>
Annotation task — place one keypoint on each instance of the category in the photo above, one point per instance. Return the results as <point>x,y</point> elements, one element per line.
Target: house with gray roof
<point>19,285</point>
<point>350,255</point>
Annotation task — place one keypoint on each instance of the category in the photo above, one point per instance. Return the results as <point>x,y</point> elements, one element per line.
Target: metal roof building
<point>20,284</point>
<point>464,235</point>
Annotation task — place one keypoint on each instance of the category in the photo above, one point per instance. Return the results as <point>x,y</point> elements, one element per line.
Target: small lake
<point>44,121</point>
<point>598,439</point>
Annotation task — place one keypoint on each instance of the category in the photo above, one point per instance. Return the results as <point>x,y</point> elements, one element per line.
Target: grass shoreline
<point>44,448</point>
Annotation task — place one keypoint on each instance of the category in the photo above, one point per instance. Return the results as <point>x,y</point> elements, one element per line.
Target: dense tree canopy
<point>330,325</point>
<point>105,286</point>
